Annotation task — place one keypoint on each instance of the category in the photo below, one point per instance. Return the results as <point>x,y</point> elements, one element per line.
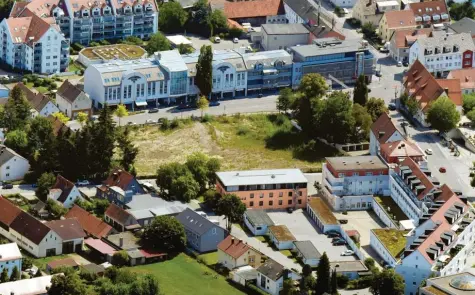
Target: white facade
<point>281,245</point>
<point>10,257</point>
<point>270,286</point>
<point>382,251</point>
<point>383,216</point>
<point>81,104</point>
<point>405,198</point>
<point>292,16</point>
<point>344,3</point>
<point>50,241</point>
<point>69,200</point>
<point>374,145</point>
<point>257,229</point>
<point>14,169</point>
<point>36,286</point>
<point>49,109</point>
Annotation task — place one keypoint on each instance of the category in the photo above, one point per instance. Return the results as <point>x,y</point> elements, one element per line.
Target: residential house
<point>8,213</point>
<point>265,189</point>
<point>322,215</point>
<point>257,221</point>
<point>466,78</point>
<point>383,131</point>
<point>440,244</point>
<point>283,36</point>
<point>119,187</point>
<point>71,233</point>
<point>12,165</point>
<point>281,237</point>
<point>349,183</point>
<point>351,269</point>
<point>65,262</point>
<point>120,219</point>
<point>128,242</point>
<point>71,100</point>
<point>307,252</point>
<point>371,11</point>
<point>465,25</point>
<point>256,12</point>
<point>83,22</point>
<point>33,43</point>
<point>271,276</point>
<point>92,225</point>
<point>40,211</point>
<point>443,53</point>
<point>201,234</point>
<point>100,250</point>
<point>393,21</point>
<point>36,286</point>
<point>41,104</point>
<point>419,84</point>
<point>430,13</point>
<point>402,40</point>
<point>244,275</point>
<point>64,192</point>
<point>234,253</point>
<point>394,152</point>
<point>10,257</point>
<point>457,284</point>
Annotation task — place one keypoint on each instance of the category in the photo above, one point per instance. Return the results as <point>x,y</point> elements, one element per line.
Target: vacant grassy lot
<point>241,142</point>
<point>183,275</point>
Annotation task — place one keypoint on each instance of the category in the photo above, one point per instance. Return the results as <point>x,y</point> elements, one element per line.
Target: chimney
<point>232,240</point>
<point>446,89</point>
<point>381,134</point>
<point>121,242</point>
<point>240,241</point>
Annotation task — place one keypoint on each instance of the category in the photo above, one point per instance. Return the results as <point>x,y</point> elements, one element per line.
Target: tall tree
<point>39,132</point>
<point>202,104</point>
<point>362,123</point>
<point>15,274</point>
<point>82,118</point>
<point>375,107</point>
<point>16,111</point>
<point>213,166</point>
<point>67,284</point>
<point>323,276</point>
<point>102,149</point>
<point>285,100</point>
<point>185,188</point>
<point>218,22</point>
<point>313,85</point>
<point>157,42</point>
<point>165,176</point>
<point>4,276</point>
<point>204,70</point>
<point>232,207</point>
<point>360,93</point>
<point>336,120</point>
<point>443,115</point>
<point>387,282</point>
<point>17,140</point>
<point>62,117</point>
<point>412,105</point>
<point>172,17</point>
<point>165,233</point>
<point>199,19</point>
<point>128,150</point>
<point>197,164</point>
<point>334,283</point>
<point>288,287</point>
<point>66,154</point>
<point>45,182</point>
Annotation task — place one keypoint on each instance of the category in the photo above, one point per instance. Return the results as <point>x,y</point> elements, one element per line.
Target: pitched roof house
<point>466,78</point>
<point>119,187</point>
<point>71,232</point>
<point>371,11</point>
<point>396,151</point>
<point>402,40</point>
<point>92,225</point>
<point>120,219</point>
<point>71,100</point>
<point>281,236</point>
<point>396,20</point>
<point>12,165</point>
<point>430,12</point>
<point>271,276</point>
<point>41,104</point>
<point>465,25</point>
<point>233,253</point>
<point>383,130</point>
<point>202,234</point>
<point>64,192</point>
<point>255,12</point>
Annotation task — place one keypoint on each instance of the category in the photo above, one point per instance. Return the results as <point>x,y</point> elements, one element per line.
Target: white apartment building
<point>83,21</point>
<point>34,44</point>
<point>441,54</point>
<point>10,257</point>
<point>349,183</point>
<point>12,165</point>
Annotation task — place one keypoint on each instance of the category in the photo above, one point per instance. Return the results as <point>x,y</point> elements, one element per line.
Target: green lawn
<point>260,238</point>
<point>288,254</point>
<point>74,67</point>
<point>183,275</point>
<point>42,262</point>
<point>210,258</point>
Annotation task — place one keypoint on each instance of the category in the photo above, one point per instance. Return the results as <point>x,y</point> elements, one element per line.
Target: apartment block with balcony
<point>34,44</point>
<point>440,244</point>
<point>349,183</point>
<point>265,189</point>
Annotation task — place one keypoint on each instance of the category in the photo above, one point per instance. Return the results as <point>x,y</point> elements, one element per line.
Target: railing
<point>404,187</point>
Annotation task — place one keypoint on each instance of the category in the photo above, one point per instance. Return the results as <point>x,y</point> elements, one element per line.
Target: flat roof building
<point>283,36</point>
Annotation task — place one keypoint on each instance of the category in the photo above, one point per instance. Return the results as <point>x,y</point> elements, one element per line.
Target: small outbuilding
<point>351,269</point>
<point>281,237</point>
<point>257,221</point>
<point>307,252</point>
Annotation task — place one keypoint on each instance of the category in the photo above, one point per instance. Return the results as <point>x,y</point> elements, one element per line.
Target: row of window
<point>271,195</point>
<point>271,203</point>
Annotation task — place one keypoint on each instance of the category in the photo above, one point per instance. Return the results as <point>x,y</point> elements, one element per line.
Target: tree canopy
<point>165,233</point>
<point>375,107</point>
<point>204,70</point>
<point>387,282</point>
<point>157,42</point>
<point>360,93</point>
<point>443,115</point>
<point>285,100</point>
<point>172,17</point>
<point>232,207</point>
<point>323,276</point>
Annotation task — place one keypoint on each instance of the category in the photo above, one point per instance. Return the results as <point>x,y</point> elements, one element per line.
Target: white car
<point>399,64</point>
<point>82,183</point>
<point>149,121</point>
<point>428,151</point>
<point>235,40</point>
<point>347,253</point>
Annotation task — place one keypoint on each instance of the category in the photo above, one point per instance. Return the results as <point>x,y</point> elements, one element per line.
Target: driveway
<point>224,44</point>
<point>303,229</point>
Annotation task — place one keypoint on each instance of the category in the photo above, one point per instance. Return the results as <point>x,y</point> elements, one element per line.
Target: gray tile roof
<point>465,25</point>
<point>194,222</point>
<point>463,40</point>
<point>284,29</point>
<point>6,154</point>
<point>272,269</point>
<point>258,217</point>
<point>307,249</point>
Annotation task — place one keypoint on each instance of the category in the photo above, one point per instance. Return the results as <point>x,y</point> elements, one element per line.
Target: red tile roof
<point>28,29</point>
<point>400,19</point>
<point>120,178</point>
<point>416,170</point>
<point>383,128</point>
<point>67,262</point>
<point>99,246</point>
<point>406,37</point>
<point>446,194</point>
<point>118,214</point>
<point>401,148</point>
<point>256,8</point>
<point>8,211</point>
<point>429,8</point>
<point>465,76</point>
<point>90,223</point>
<point>233,247</point>
<point>452,87</point>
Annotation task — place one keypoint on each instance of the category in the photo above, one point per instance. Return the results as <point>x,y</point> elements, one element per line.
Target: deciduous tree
<point>375,107</point>
<point>337,121</point>
<point>387,282</point>
<point>285,100</point>
<point>172,17</point>
<point>82,118</point>
<point>443,115</point>
<point>55,210</point>
<point>67,284</point>
<point>157,42</point>
<point>468,102</point>
<point>362,123</point>
<point>16,112</point>
<point>121,112</point>
<point>313,85</point>
<point>165,233</point>
<point>202,104</point>
<point>204,70</point>
<point>120,258</point>
<point>45,182</point>
<point>165,176</point>
<point>232,207</point>
<point>62,117</point>
<point>218,22</point>
<point>17,140</point>
<point>412,105</point>
<point>185,188</point>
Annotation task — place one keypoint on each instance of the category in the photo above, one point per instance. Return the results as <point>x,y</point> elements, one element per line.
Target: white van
<point>217,40</point>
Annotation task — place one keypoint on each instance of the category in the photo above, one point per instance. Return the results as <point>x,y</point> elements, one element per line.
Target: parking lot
<point>224,44</point>
<point>303,229</point>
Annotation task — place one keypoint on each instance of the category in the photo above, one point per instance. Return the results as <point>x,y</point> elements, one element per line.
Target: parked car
<point>428,151</point>
<point>154,110</point>
<point>339,242</point>
<point>131,123</point>
<point>399,64</point>
<point>290,209</point>
<point>82,182</point>
<point>259,95</point>
<point>185,106</point>
<point>392,107</point>
<point>347,253</point>
<point>383,50</point>
<point>331,232</point>
<point>34,185</point>
<point>442,170</point>
<point>150,121</point>
<point>214,103</point>
<point>343,221</point>
<point>236,40</point>
<point>334,235</point>
<point>406,64</point>
<point>217,40</point>
<point>7,186</point>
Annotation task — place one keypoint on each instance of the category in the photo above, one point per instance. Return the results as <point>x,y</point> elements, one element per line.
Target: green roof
<point>394,240</point>
<point>394,210</point>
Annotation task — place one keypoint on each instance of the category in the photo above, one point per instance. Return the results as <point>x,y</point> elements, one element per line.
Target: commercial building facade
<point>265,189</point>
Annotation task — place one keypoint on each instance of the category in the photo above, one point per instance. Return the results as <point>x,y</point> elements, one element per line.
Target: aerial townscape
<point>292,147</point>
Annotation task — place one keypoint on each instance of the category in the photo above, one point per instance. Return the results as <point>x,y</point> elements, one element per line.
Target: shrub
<point>242,130</point>
<point>342,281</point>
<point>175,123</point>
<point>207,118</point>
<point>120,258</point>
<point>165,124</point>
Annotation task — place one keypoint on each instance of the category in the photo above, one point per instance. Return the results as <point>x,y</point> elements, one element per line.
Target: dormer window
<point>85,12</point>
<point>138,8</point>
<point>96,12</point>
<point>437,50</point>
<point>127,9</point>
<point>148,7</point>
<point>456,48</point>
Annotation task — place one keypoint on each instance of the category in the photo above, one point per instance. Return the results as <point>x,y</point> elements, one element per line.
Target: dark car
<point>290,210</point>
<point>405,64</point>
<point>339,243</point>
<point>214,103</point>
<point>392,107</point>
<point>34,185</point>
<point>260,95</point>
<point>154,110</point>
<point>7,186</point>
<point>331,232</point>
<point>334,235</point>
<point>336,239</point>
<point>343,221</point>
